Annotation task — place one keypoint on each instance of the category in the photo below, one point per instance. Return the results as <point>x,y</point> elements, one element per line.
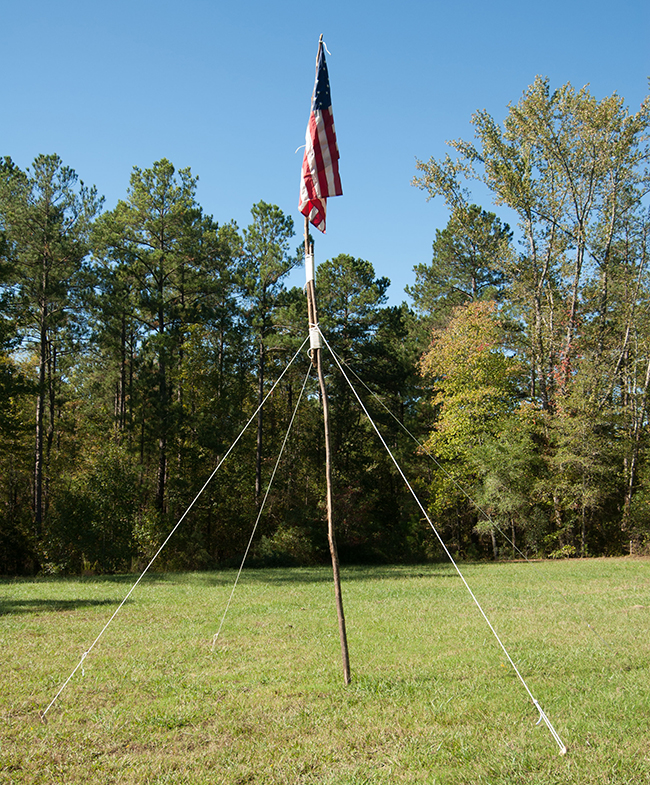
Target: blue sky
<point>225,89</point>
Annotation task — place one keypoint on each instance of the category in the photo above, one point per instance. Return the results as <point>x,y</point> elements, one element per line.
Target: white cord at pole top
<point>309,267</point>
<point>315,341</point>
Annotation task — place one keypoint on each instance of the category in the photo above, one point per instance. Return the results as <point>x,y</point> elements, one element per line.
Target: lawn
<point>433,698</point>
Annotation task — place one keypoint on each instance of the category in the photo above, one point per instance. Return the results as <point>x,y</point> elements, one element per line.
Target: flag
<point>320,165</point>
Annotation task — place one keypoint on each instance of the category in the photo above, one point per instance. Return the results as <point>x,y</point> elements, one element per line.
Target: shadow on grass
<point>297,575</point>
<point>40,605</point>
<point>218,578</point>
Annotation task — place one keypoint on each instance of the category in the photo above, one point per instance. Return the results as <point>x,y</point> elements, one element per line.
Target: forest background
<point>136,342</point>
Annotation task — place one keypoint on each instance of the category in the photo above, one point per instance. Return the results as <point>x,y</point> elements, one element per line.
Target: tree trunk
<point>495,550</point>
<point>40,422</point>
<point>639,418</point>
<point>163,425</point>
<point>260,423</point>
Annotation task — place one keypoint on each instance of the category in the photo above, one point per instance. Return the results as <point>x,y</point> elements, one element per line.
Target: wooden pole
<point>316,359</point>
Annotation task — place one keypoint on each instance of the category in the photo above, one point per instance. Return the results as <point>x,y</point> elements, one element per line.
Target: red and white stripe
<point>320,167</point>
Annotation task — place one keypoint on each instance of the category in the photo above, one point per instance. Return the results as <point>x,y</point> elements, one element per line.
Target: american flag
<point>320,165</point>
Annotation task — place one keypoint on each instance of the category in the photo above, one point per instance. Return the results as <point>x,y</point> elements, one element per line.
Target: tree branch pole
<point>315,351</point>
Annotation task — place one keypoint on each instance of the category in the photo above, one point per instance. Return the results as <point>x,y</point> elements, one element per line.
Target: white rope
<point>261,510</point>
<point>169,536</point>
<point>472,501</point>
<point>433,458</point>
<point>451,559</point>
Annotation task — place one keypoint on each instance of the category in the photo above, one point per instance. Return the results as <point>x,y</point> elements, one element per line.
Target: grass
<point>433,699</point>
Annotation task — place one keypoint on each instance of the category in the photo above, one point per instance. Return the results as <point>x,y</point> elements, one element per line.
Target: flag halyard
<point>320,166</point>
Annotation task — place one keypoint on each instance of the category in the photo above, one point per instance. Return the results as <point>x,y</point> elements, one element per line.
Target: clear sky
<point>225,89</point>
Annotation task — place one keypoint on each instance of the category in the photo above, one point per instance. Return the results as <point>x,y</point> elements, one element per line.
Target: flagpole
<point>315,351</point>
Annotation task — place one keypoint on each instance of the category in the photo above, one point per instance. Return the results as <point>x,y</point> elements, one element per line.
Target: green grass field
<point>432,700</point>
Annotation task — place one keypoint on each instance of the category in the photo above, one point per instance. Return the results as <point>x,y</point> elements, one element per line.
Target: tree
<point>511,477</point>
<point>47,218</point>
<point>471,257</point>
<point>16,545</point>
<point>572,169</point>
<point>370,340</point>
<point>160,252</point>
<point>475,389</point>
<point>351,313</point>
<point>266,262</point>
<point>350,298</point>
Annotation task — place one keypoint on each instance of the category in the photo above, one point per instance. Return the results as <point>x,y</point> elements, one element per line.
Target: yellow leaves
<point>475,380</point>
<point>468,352</point>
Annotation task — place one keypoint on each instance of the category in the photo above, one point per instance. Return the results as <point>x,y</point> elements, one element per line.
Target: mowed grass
<point>433,699</point>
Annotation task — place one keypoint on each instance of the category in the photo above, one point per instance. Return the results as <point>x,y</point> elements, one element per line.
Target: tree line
<point>136,342</point>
